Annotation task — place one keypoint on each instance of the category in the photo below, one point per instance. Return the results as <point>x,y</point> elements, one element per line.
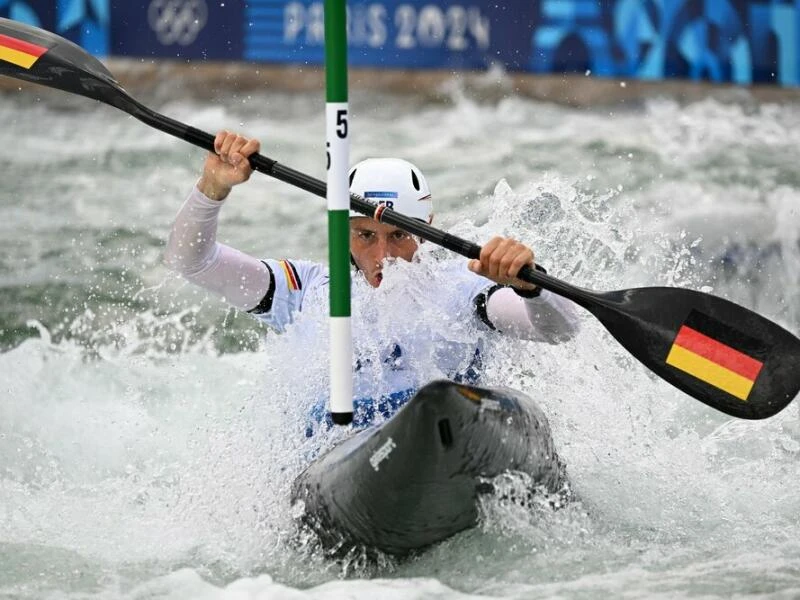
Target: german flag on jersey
<point>717,354</point>
<point>292,280</point>
<point>19,52</point>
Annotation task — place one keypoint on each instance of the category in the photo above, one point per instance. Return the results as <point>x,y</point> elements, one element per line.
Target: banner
<point>180,29</point>
<point>85,22</point>
<point>738,41</point>
<point>467,34</point>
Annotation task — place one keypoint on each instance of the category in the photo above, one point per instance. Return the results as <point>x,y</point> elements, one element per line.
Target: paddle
<point>722,354</point>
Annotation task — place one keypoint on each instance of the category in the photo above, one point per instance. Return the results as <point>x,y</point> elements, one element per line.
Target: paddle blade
<point>38,56</point>
<point>721,353</point>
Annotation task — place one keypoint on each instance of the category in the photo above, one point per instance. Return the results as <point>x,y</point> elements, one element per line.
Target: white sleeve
<point>193,251</point>
<point>546,318</point>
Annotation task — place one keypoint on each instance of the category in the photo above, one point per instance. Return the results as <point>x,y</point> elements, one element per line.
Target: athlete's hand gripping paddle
<point>722,354</point>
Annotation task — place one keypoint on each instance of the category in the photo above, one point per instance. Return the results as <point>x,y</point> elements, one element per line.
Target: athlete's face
<point>372,242</point>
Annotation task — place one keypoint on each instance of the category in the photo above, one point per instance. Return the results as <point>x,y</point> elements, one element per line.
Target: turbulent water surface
<point>149,435</point>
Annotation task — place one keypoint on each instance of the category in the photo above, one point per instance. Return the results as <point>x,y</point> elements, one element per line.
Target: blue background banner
<point>739,41</point>
<point>469,34</point>
<point>85,22</point>
<point>189,29</point>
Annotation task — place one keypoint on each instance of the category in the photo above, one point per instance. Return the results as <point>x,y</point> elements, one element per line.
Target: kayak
<point>415,479</point>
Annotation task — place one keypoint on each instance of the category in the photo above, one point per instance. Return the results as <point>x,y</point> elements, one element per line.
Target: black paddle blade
<point>38,56</point>
<point>721,353</point>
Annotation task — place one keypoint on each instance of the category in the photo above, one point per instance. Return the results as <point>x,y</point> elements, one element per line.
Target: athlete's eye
<point>400,235</point>
<point>365,235</point>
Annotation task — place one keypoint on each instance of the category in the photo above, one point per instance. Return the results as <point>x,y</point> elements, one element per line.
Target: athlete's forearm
<point>546,318</point>
<point>192,251</point>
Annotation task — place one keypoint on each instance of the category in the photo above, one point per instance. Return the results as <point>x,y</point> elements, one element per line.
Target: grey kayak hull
<point>414,480</point>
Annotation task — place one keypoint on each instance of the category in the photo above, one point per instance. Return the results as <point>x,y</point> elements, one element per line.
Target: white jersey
<point>300,281</point>
<point>421,323</point>
<point>396,351</point>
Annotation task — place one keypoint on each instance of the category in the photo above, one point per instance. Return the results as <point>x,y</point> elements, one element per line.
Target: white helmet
<point>394,182</point>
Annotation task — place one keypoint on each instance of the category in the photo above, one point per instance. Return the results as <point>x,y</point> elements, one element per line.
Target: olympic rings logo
<point>177,21</point>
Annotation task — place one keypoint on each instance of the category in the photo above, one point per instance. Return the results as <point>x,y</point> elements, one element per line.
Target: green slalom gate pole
<point>337,132</point>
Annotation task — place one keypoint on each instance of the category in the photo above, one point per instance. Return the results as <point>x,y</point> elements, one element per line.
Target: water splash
<point>148,435</point>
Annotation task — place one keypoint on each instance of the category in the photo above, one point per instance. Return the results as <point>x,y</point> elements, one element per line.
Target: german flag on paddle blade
<point>717,354</point>
<point>19,52</point>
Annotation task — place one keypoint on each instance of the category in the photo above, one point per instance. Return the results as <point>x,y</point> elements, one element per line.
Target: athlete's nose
<point>383,249</point>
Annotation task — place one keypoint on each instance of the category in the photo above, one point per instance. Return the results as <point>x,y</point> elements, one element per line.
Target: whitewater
<point>149,434</point>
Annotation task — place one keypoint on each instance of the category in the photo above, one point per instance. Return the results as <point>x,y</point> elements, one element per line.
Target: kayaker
<point>278,291</point>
